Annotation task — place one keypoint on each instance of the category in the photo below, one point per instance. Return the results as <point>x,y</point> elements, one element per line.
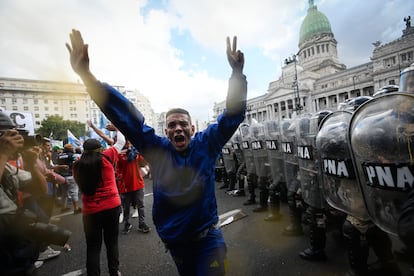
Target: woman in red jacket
<point>95,175</point>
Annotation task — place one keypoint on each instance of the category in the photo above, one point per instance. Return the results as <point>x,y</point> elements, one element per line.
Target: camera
<point>48,233</point>
<point>41,232</point>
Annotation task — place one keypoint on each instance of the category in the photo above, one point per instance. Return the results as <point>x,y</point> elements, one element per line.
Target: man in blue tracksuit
<point>182,164</point>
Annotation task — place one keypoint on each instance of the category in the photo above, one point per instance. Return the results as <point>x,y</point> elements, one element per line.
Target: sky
<point>174,51</point>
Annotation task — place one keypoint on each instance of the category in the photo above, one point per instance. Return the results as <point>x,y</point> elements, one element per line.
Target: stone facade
<point>69,100</point>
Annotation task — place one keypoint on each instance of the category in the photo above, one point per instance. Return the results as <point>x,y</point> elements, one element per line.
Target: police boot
<point>240,191</point>
<point>357,250</point>
<point>232,182</point>
<point>225,182</point>
<point>382,247</point>
<point>295,226</point>
<point>274,206</point>
<point>263,195</point>
<point>316,252</point>
<point>251,185</point>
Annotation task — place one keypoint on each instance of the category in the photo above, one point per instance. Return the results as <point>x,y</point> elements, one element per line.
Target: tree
<point>57,127</point>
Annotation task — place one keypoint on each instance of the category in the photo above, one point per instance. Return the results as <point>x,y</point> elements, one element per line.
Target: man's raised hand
<point>234,56</point>
<point>79,57</point>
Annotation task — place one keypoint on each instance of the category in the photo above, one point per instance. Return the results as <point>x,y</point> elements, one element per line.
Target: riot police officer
<point>343,193</point>
<point>290,158</point>
<point>262,164</point>
<point>277,188</point>
<point>405,223</point>
<point>230,165</point>
<point>250,165</point>
<point>241,173</point>
<point>378,132</point>
<point>220,172</point>
<point>311,185</point>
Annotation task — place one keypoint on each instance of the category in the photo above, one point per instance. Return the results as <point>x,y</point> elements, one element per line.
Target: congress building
<point>315,80</point>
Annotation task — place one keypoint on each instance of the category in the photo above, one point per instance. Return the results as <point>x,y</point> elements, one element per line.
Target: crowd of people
<point>39,181</point>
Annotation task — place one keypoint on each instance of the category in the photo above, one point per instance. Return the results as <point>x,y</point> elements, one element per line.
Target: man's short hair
<point>177,110</point>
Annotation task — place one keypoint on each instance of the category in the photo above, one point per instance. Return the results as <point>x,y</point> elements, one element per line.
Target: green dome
<point>314,23</point>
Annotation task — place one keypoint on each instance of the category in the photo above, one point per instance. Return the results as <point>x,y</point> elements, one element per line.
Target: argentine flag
<point>75,142</point>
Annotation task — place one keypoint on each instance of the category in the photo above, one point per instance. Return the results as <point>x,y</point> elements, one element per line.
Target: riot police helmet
<point>303,126</point>
<point>236,138</point>
<point>356,102</point>
<point>244,130</point>
<point>321,115</point>
<point>386,89</point>
<point>271,127</point>
<point>407,80</point>
<point>256,129</point>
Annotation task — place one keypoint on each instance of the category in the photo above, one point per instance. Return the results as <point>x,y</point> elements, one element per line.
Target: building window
<point>313,51</point>
<point>25,108</point>
<point>3,101</point>
<point>391,82</point>
<point>38,123</point>
<point>405,57</point>
<point>35,101</point>
<point>389,61</point>
<point>55,102</point>
<point>327,47</point>
<point>14,108</point>
<point>36,108</point>
<point>323,48</point>
<point>56,108</point>
<point>318,49</point>
<point>37,115</point>
<point>46,108</point>
<point>14,100</point>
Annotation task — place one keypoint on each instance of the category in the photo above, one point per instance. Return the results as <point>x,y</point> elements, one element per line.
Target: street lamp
<point>289,60</point>
<point>353,81</point>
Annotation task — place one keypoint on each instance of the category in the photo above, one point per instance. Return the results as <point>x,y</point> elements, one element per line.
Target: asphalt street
<point>255,247</point>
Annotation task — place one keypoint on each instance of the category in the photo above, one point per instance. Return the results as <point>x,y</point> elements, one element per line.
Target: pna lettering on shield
<point>390,176</point>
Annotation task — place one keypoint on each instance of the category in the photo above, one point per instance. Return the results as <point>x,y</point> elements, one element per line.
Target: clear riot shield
<point>274,151</point>
<point>310,180</point>
<point>247,150</point>
<point>236,145</point>
<point>260,157</point>
<point>340,185</point>
<point>229,160</point>
<point>289,154</point>
<point>380,134</point>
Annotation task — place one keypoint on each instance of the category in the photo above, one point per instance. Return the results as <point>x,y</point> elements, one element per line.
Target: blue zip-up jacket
<point>183,183</point>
